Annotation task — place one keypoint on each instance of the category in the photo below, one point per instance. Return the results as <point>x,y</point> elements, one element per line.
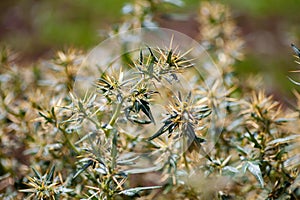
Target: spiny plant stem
<point>115,116</point>
<point>68,140</point>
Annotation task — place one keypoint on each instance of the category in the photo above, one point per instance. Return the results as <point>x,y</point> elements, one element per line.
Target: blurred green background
<point>36,29</point>
<point>34,26</point>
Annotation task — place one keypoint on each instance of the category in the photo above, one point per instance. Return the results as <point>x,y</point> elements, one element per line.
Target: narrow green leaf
<point>283,120</point>
<point>127,160</point>
<point>255,170</point>
<point>114,150</point>
<point>154,59</point>
<point>52,112</point>
<point>283,140</point>
<point>162,130</point>
<point>50,175</point>
<point>141,57</point>
<point>292,162</point>
<point>296,50</point>
<point>141,121</point>
<point>37,173</point>
<point>245,167</point>
<point>45,117</point>
<point>142,170</point>
<point>253,139</point>
<point>134,191</point>
<point>230,170</point>
<point>169,57</point>
<point>80,105</point>
<point>241,150</point>
<point>84,167</point>
<point>146,109</point>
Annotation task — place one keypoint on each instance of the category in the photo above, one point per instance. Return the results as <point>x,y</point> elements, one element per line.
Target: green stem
<point>68,140</point>
<point>186,162</point>
<point>116,114</point>
<point>114,117</point>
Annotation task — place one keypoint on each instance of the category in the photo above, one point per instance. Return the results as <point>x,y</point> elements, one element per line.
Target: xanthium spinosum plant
<point>155,124</point>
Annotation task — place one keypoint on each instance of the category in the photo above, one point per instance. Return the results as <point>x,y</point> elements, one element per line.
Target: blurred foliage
<point>288,9</point>
<point>37,28</point>
<point>215,140</point>
<point>45,24</point>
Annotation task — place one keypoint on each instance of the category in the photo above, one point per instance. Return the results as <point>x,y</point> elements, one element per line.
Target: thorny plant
<point>91,140</point>
<point>47,186</point>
